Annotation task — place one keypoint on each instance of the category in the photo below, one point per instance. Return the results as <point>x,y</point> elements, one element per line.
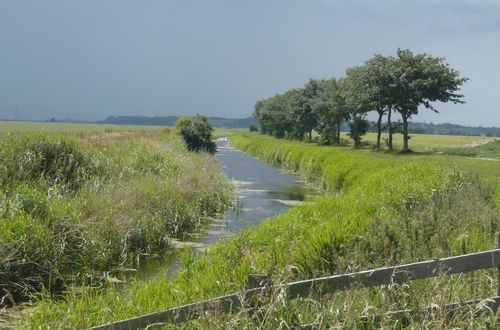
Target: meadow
<point>76,207</point>
<point>379,209</point>
<point>19,127</point>
<point>426,142</point>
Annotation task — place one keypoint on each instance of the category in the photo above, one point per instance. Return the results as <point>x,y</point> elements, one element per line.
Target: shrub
<point>196,132</point>
<point>357,128</point>
<point>253,128</point>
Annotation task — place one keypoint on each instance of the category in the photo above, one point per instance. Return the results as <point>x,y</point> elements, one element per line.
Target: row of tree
<point>385,84</point>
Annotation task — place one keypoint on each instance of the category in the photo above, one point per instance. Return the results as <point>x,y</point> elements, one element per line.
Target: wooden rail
<point>396,274</point>
<point>364,279</point>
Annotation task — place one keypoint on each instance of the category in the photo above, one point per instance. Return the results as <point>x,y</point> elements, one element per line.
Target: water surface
<point>261,191</point>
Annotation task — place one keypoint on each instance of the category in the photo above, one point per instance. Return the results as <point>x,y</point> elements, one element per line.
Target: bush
<point>197,133</point>
<point>253,128</point>
<point>357,128</point>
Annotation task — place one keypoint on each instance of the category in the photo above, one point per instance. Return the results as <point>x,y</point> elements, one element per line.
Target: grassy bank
<point>73,208</point>
<point>379,211</point>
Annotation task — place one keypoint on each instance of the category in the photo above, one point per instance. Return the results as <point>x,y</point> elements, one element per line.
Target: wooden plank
<point>224,304</point>
<point>396,274</point>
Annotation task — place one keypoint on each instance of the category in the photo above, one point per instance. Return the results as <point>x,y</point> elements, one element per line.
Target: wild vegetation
<point>384,84</point>
<point>378,210</point>
<point>79,129</point>
<point>74,208</point>
<point>196,133</point>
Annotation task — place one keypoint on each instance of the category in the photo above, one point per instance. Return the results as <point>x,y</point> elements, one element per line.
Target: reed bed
<point>74,208</point>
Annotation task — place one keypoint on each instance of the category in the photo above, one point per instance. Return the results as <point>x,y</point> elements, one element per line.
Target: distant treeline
<point>170,121</point>
<point>413,127</point>
<point>452,129</point>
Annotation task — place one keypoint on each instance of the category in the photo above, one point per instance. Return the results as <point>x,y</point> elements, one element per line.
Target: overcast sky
<point>89,59</point>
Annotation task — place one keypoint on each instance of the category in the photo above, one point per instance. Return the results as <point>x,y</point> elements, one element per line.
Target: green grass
<point>380,209</point>
<point>425,142</point>
<point>17,127</point>
<point>73,208</point>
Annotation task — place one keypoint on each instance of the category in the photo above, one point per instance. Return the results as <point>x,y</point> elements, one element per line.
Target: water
<point>262,191</point>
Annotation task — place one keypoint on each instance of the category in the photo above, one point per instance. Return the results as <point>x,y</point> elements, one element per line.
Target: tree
<point>273,115</point>
<point>358,127</point>
<point>377,76</point>
<point>419,80</point>
<point>331,110</point>
<point>358,100</point>
<point>197,133</point>
<point>253,128</point>
<point>303,116</point>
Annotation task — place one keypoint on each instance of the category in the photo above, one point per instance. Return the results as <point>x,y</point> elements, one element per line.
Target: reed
<point>73,208</point>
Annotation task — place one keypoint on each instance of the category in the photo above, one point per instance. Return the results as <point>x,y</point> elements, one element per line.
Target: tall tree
<point>303,115</point>
<point>273,115</point>
<point>330,108</point>
<point>419,80</point>
<point>356,92</point>
<point>379,88</point>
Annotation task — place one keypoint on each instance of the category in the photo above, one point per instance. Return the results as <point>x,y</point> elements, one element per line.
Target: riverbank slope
<point>380,211</point>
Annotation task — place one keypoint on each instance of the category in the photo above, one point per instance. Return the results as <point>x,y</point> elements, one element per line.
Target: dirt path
<point>480,143</point>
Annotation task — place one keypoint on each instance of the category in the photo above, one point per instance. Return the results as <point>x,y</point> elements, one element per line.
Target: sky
<point>90,59</point>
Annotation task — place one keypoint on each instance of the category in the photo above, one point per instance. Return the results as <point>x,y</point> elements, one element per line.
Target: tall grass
<point>378,211</point>
<point>72,208</point>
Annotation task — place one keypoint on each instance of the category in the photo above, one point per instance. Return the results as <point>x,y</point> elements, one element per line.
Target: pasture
<point>17,127</point>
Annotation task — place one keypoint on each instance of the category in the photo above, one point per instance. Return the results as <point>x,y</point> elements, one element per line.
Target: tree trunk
<point>389,127</point>
<point>338,133</point>
<point>405,133</point>
<point>379,127</point>
<point>310,136</point>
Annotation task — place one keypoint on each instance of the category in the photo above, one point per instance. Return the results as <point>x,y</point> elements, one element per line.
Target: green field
<point>16,127</point>
<point>426,142</point>
<point>357,225</point>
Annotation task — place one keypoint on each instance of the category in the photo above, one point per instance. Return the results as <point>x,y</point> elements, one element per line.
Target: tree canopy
<point>197,133</point>
<point>383,84</point>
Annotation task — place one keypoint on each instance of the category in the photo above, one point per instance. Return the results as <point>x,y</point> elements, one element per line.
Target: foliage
<point>367,196</point>
<point>253,128</point>
<point>358,128</point>
<point>75,208</point>
<point>331,109</point>
<point>419,80</point>
<point>275,115</point>
<point>384,84</point>
<point>197,133</point>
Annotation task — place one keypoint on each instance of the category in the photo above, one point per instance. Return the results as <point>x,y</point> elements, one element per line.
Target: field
<point>16,127</point>
<point>426,142</point>
<point>74,208</point>
<point>379,209</point>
